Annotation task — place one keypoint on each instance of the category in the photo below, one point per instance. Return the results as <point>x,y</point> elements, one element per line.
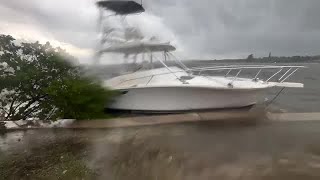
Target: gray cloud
<point>202,28</point>
<point>60,18</point>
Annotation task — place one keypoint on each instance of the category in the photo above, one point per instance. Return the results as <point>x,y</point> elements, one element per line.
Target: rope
<point>275,97</point>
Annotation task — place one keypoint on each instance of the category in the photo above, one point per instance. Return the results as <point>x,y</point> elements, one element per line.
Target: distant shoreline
<point>253,61</point>
<point>244,61</point>
<point>269,59</point>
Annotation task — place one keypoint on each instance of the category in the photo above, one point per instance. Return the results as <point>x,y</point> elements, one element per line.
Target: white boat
<point>173,88</point>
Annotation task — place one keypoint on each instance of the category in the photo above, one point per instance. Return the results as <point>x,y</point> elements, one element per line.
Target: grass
<point>58,160</point>
<point>140,157</point>
<point>144,159</point>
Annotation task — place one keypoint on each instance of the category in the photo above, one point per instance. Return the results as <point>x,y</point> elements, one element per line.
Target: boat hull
<point>168,99</point>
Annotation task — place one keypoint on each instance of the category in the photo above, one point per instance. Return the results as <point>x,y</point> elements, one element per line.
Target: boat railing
<point>282,73</point>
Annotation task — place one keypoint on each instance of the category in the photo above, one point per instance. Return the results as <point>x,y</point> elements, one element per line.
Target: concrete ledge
<point>223,116</point>
<point>285,117</point>
<point>136,121</point>
<point>234,116</point>
<point>166,119</point>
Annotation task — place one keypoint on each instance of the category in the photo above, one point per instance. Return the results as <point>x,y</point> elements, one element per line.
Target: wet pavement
<point>287,150</point>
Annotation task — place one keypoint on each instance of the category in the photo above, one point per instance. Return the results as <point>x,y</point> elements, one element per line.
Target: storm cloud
<point>199,28</point>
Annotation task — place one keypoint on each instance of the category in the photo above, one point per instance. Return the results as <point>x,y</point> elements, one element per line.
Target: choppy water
<point>306,99</point>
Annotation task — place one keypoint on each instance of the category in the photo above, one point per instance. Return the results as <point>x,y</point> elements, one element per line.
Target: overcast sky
<point>199,28</point>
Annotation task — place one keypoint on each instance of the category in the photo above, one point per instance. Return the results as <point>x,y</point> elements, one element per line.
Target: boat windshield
<point>146,55</point>
<point>147,61</point>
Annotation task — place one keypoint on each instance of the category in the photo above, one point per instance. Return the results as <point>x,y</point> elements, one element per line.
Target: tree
<point>30,73</point>
<point>79,98</point>
<point>250,57</point>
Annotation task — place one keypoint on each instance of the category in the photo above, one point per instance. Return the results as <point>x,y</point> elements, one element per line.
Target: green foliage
<point>38,80</point>
<point>79,98</point>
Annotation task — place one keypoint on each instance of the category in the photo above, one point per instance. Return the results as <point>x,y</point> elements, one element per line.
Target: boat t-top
<point>163,83</point>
